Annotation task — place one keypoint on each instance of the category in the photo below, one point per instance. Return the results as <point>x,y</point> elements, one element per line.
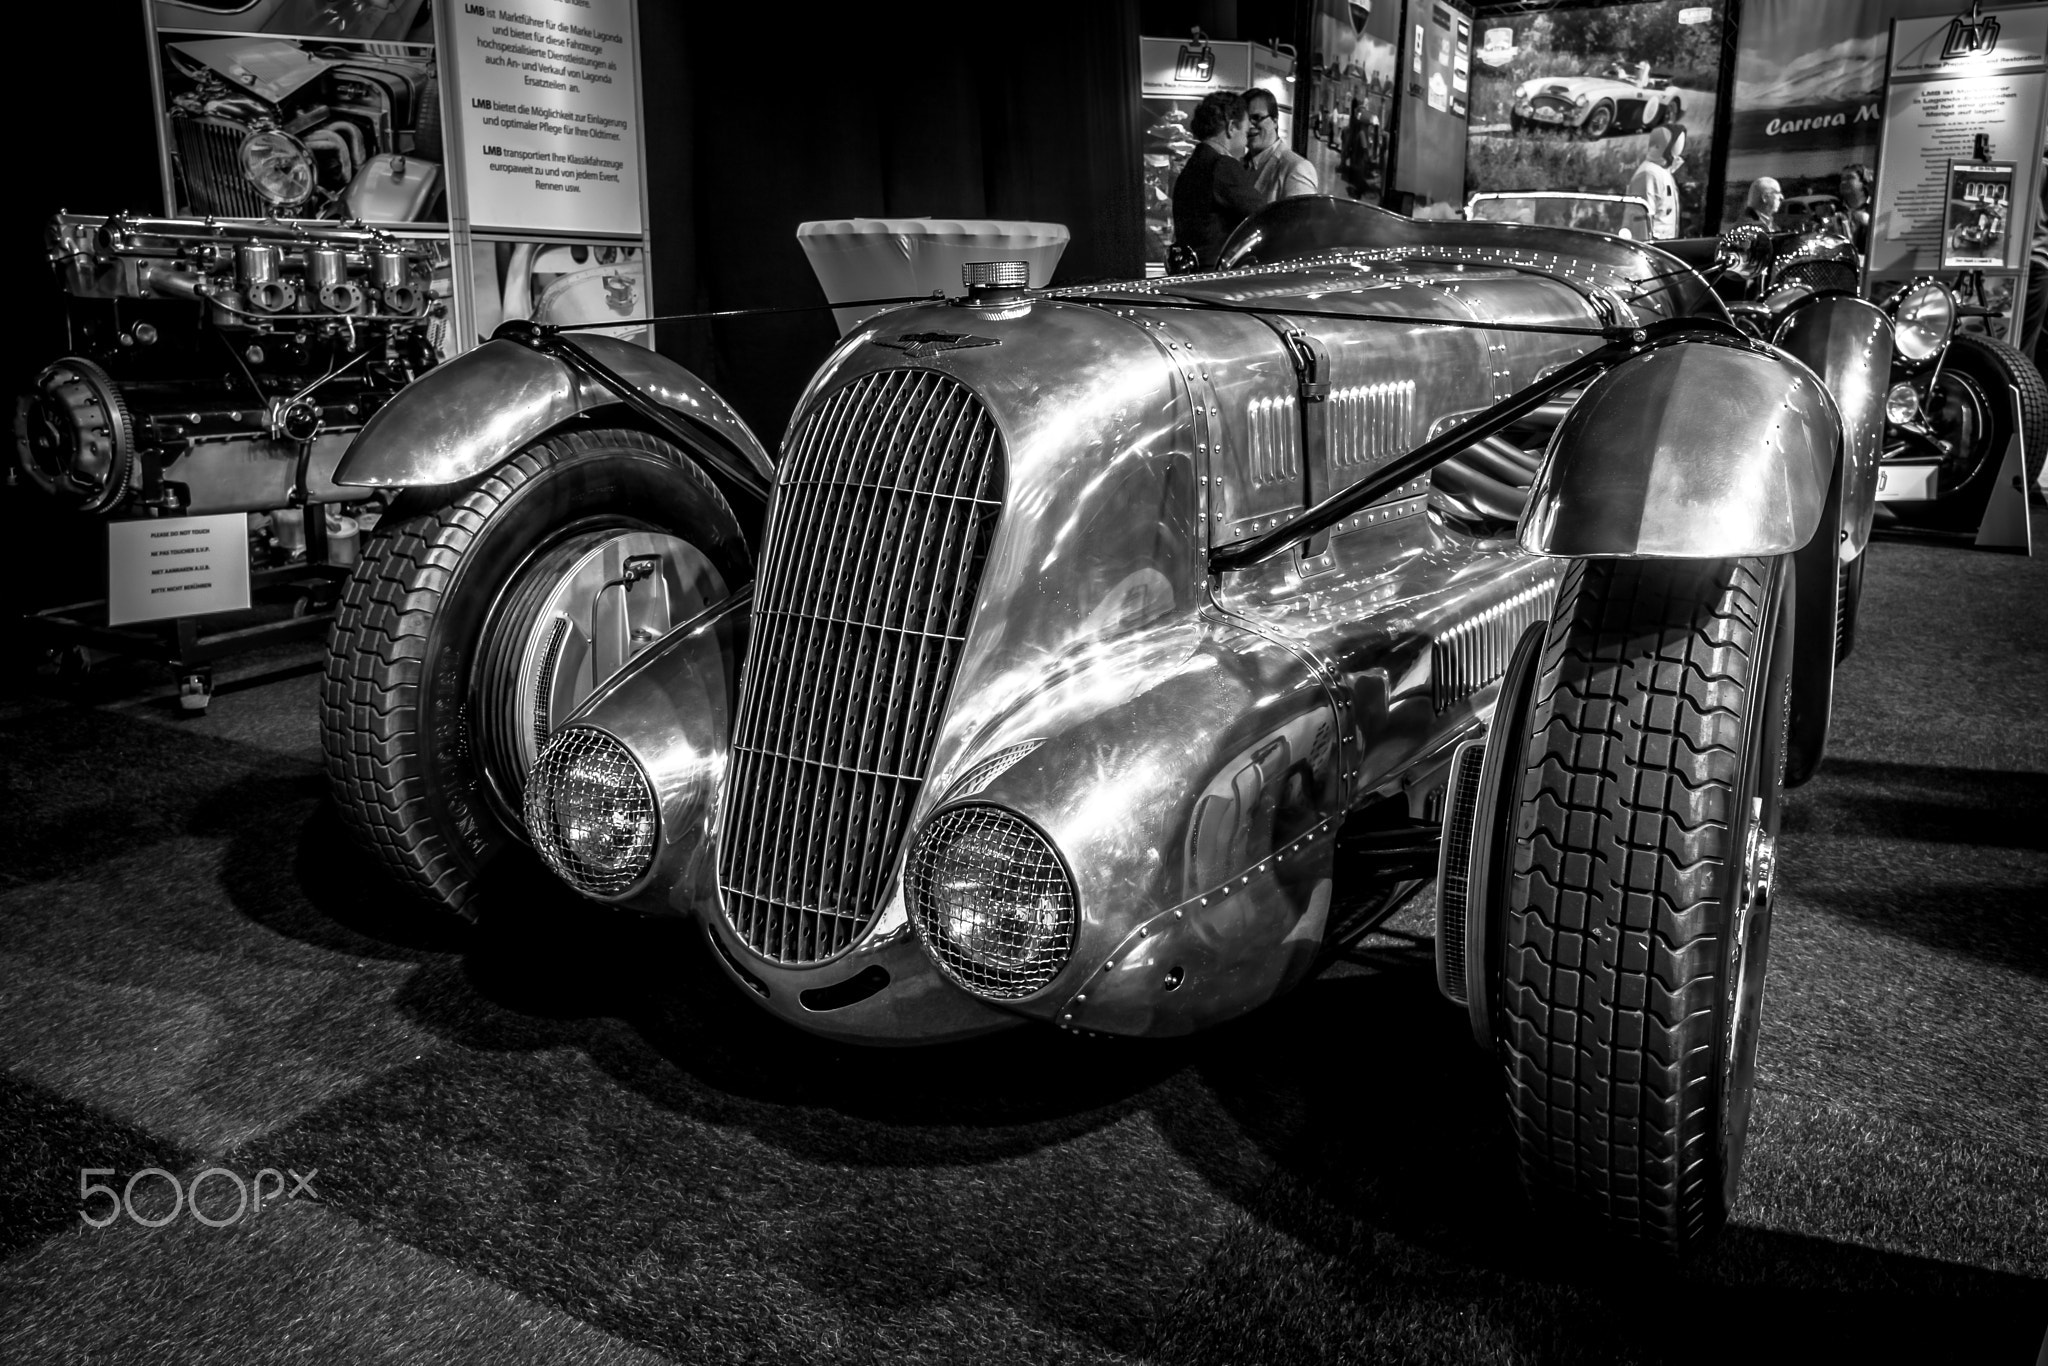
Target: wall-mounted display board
<point>1809,90</point>
<point>507,133</point>
<point>1348,95</point>
<point>1957,174</point>
<point>1570,99</point>
<point>1435,80</point>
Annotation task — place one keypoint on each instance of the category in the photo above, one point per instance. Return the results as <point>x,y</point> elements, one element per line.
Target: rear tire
<point>478,617</point>
<point>1637,911</point>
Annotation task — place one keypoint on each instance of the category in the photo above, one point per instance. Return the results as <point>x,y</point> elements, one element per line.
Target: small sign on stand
<point>177,567</point>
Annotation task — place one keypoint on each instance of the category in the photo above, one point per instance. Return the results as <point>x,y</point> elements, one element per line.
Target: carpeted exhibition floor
<point>562,1138</point>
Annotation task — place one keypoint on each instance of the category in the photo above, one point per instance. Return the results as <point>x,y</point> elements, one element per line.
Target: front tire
<point>1597,123</point>
<point>479,618</point>
<point>1970,413</point>
<point>1637,912</point>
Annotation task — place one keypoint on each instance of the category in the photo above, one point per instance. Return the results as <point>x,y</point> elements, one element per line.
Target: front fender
<point>1192,794</point>
<point>1693,450</point>
<point>468,414</point>
<point>673,708</point>
<point>1848,343</point>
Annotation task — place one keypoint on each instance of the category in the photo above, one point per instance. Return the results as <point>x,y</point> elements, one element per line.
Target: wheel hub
<point>580,613</point>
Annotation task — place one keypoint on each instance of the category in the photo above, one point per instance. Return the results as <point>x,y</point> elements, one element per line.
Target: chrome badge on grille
<point>918,345</point>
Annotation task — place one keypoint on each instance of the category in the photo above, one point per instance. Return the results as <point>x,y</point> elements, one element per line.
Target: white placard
<point>177,567</point>
<point>546,114</point>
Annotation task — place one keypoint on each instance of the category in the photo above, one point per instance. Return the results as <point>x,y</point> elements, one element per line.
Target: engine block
<point>224,366</point>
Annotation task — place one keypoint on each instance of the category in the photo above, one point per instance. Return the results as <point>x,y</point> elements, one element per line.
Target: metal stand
<point>185,643</point>
<point>2005,524</point>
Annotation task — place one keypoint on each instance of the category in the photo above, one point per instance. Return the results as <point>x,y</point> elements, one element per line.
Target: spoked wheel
<point>1969,414</point>
<point>1597,123</point>
<point>477,620</point>
<point>1643,831</point>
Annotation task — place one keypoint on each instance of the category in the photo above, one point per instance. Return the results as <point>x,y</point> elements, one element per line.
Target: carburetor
<point>224,365</point>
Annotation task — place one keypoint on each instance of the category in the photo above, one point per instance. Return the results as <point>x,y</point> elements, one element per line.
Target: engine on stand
<point>224,366</point>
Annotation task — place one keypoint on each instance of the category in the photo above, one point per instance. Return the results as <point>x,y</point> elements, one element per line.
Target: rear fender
<point>469,414</point>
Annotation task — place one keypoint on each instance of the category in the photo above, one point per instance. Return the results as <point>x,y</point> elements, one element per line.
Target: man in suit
<point>1277,170</point>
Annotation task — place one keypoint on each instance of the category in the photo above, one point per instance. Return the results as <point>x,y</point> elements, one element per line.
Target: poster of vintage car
<point>1976,227</point>
<point>257,126</point>
<point>1577,99</point>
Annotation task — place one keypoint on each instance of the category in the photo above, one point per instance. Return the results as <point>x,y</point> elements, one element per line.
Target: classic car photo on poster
<point>1976,226</point>
<point>1578,99</point>
<point>257,126</point>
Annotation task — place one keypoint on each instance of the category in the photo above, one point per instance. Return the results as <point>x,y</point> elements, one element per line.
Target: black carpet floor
<point>563,1138</point>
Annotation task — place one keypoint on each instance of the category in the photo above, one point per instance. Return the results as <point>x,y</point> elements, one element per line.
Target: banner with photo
<point>1576,100</point>
<point>1809,93</point>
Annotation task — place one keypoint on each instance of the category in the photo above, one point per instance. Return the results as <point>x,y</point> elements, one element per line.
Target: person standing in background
<point>1855,195</point>
<point>1762,204</point>
<point>1215,192</point>
<point>1277,171</point>
<point>1654,184</point>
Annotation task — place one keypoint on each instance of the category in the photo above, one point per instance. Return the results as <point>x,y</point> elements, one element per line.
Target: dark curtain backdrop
<point>761,118</point>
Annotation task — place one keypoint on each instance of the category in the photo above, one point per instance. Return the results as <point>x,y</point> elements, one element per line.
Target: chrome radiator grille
<point>210,151</point>
<point>882,516</point>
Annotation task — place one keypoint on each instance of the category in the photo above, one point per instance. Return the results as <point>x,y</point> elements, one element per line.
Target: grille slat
<point>882,516</point>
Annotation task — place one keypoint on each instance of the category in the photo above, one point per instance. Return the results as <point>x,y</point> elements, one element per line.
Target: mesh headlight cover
<point>279,167</point>
<point>591,812</point>
<point>991,900</point>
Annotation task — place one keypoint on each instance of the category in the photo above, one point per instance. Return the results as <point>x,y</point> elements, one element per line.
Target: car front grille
<point>210,151</point>
<point>882,517</point>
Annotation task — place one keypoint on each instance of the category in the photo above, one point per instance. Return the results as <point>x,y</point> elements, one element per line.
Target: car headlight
<point>279,166</point>
<point>992,902</point>
<point>1923,316</point>
<point>591,812</point>
<point>1582,100</point>
<point>1901,404</point>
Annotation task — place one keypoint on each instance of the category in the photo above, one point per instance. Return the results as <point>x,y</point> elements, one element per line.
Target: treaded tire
<point>1655,743</point>
<point>1989,364</point>
<point>406,637</point>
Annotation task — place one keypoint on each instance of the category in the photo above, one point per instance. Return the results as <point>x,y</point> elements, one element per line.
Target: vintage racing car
<point>1594,106</point>
<point>1956,396</point>
<point>1082,645</point>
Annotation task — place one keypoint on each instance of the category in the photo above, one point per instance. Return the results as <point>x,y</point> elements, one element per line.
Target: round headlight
<point>1901,404</point>
<point>1922,318</point>
<point>591,812</point>
<point>279,166</point>
<point>992,901</point>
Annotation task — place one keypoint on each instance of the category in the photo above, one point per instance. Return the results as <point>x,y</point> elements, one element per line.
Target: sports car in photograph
<point>1102,658</point>
<point>1592,107</point>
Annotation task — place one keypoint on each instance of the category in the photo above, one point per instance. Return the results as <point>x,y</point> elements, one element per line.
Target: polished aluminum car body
<point>1085,620</point>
